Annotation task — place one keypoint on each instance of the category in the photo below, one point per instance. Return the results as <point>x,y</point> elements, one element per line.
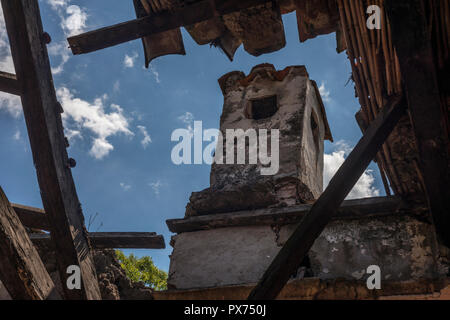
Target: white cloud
<point>6,61</point>
<point>73,18</point>
<point>156,186</point>
<point>155,73</point>
<point>364,188</point>
<point>128,61</point>
<point>188,119</point>
<point>116,86</point>
<point>56,4</point>
<point>146,140</point>
<point>125,186</point>
<point>8,102</point>
<point>71,134</point>
<point>80,114</point>
<point>100,148</point>
<point>73,22</point>
<point>17,135</point>
<point>11,104</point>
<point>324,93</point>
<point>62,50</point>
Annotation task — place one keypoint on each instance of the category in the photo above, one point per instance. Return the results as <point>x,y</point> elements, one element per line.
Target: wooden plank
<point>311,226</point>
<point>350,209</point>
<point>31,217</point>
<point>417,64</point>
<point>46,134</point>
<point>21,269</point>
<point>159,22</point>
<point>9,83</point>
<point>113,240</point>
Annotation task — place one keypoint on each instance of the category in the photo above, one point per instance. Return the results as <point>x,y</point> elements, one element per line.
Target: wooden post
<point>45,131</point>
<point>311,226</point>
<point>21,269</point>
<point>412,43</point>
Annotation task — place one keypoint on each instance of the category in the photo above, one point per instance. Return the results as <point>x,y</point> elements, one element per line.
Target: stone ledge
<point>316,289</point>
<point>350,209</point>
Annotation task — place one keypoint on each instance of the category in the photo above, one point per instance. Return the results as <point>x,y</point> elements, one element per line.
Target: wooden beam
<point>113,240</point>
<point>9,83</point>
<point>412,42</point>
<point>289,258</point>
<point>159,22</point>
<point>46,134</point>
<point>350,209</point>
<point>31,217</point>
<point>36,218</point>
<point>21,269</point>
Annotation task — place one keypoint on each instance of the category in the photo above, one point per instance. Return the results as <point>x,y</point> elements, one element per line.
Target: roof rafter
<point>156,23</point>
<point>43,119</point>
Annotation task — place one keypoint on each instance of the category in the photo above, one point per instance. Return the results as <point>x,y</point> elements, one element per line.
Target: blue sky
<point>120,116</point>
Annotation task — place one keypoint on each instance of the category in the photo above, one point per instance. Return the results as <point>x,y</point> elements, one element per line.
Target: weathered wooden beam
<point>350,209</point>
<point>31,217</point>
<point>159,22</point>
<point>21,269</point>
<point>289,258</point>
<point>112,240</point>
<point>412,42</point>
<point>9,83</point>
<point>46,134</point>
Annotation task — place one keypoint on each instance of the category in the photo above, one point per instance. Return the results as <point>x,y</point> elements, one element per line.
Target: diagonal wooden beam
<point>21,269</point>
<point>43,119</point>
<point>113,240</point>
<point>9,83</point>
<point>412,42</point>
<point>159,22</point>
<point>311,226</point>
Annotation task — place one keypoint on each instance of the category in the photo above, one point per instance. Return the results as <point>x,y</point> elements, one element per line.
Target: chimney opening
<point>262,108</point>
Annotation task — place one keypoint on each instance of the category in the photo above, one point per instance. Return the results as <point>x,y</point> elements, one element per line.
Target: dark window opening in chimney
<point>262,108</point>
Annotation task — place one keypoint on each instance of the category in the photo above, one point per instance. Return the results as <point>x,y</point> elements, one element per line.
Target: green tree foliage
<point>143,269</point>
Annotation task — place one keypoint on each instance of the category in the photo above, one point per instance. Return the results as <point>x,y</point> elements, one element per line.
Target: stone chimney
<point>287,101</point>
<point>236,247</point>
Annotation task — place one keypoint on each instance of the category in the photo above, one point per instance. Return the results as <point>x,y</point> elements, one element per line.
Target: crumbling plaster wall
<point>404,249</point>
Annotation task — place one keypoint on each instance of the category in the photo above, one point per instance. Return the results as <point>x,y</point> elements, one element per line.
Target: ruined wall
<point>403,247</point>
<point>247,105</point>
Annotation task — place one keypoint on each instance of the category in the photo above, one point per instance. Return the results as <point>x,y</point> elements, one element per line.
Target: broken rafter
<point>43,119</point>
<point>156,23</point>
<point>21,269</point>
<point>9,83</point>
<point>110,240</point>
<point>290,257</point>
<point>413,46</point>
